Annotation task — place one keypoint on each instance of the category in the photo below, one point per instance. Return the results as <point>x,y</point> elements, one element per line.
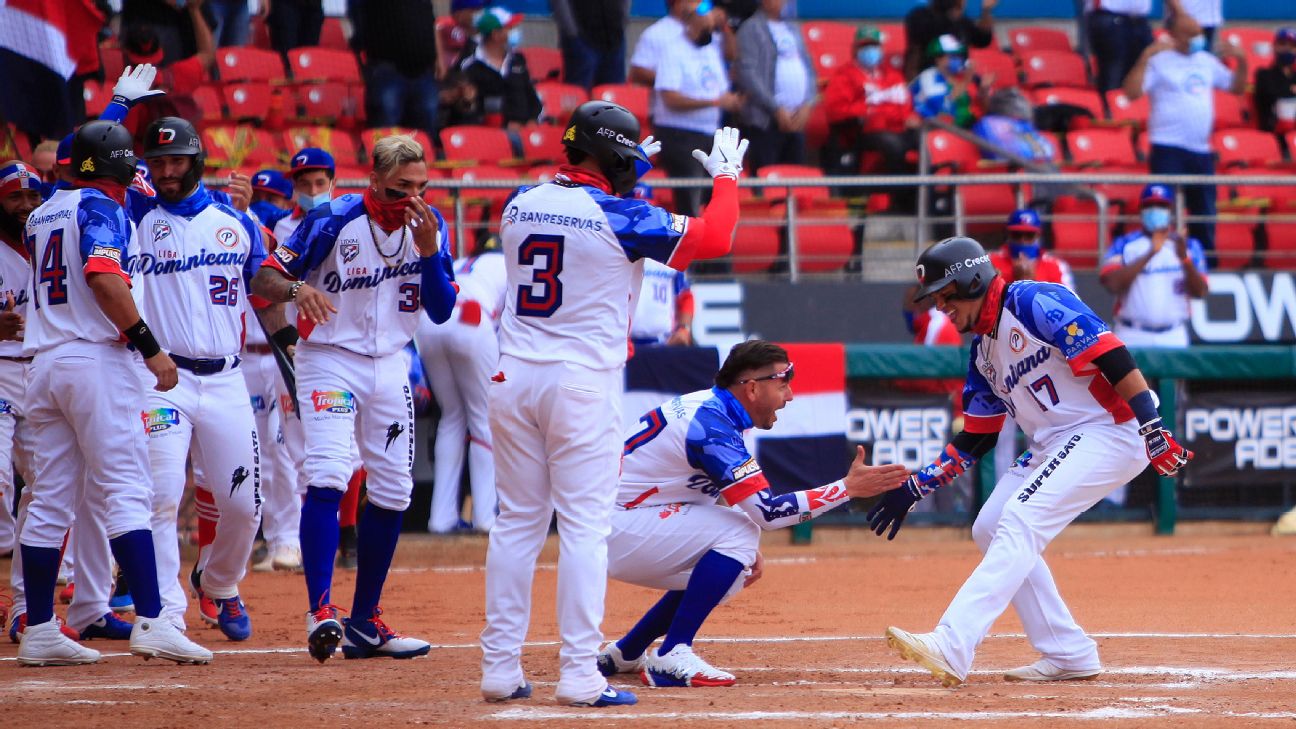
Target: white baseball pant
<point>1175,338</point>
<point>658,546</point>
<point>13,456</point>
<point>459,359</point>
<point>557,439</point>
<point>1028,508</point>
<point>351,398</point>
<point>281,503</point>
<point>214,413</point>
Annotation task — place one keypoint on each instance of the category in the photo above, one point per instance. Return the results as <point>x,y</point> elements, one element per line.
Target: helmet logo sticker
<point>166,135</point>
<point>922,271</point>
<point>88,165</point>
<point>570,134</point>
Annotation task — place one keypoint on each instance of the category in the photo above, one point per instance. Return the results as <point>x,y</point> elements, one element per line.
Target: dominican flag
<point>656,374</point>
<point>807,446</point>
<point>43,43</point>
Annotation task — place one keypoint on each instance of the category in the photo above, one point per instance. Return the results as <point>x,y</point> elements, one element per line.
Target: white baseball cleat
<point>682,667</point>
<point>286,558</point>
<point>45,645</point>
<point>920,649</point>
<point>1045,670</point>
<point>612,662</point>
<point>159,638</point>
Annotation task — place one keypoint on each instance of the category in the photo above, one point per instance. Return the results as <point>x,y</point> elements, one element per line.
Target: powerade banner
<point>1240,437</point>
<point>1258,307</point>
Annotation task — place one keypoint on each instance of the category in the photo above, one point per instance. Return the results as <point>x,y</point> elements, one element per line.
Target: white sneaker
<point>1045,670</point>
<point>682,667</point>
<point>920,649</point>
<point>612,662</point>
<point>1285,526</point>
<point>266,564</point>
<point>159,638</point>
<point>286,557</point>
<point>45,645</point>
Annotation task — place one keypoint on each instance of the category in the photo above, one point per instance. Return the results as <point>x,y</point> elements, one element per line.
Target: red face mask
<point>113,189</point>
<point>389,215</point>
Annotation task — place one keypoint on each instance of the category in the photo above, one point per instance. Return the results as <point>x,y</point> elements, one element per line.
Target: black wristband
<point>142,337</point>
<point>285,338</point>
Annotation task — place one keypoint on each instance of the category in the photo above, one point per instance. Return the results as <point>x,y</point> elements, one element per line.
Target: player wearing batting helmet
<point>1041,355</point>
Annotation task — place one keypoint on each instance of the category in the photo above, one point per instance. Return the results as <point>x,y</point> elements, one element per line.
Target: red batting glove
<point>1163,451</point>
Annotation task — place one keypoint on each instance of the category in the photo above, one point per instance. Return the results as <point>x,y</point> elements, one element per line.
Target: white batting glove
<point>135,84</point>
<point>650,146</point>
<point>726,155</point>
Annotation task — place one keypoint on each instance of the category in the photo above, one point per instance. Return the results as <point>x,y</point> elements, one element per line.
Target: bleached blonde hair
<point>394,151</point>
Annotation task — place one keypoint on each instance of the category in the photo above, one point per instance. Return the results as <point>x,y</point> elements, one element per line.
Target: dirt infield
<point>1195,631</point>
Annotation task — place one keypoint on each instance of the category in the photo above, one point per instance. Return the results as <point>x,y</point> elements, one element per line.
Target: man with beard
<point>19,195</point>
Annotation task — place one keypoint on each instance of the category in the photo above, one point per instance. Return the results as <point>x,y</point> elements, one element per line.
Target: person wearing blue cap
<point>1154,272</point>
<point>272,197</point>
<point>312,174</point>
<point>1275,86</point>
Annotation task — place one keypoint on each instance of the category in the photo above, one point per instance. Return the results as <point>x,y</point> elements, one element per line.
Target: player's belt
<point>16,359</point>
<point>258,349</point>
<point>1144,328</point>
<point>203,367</point>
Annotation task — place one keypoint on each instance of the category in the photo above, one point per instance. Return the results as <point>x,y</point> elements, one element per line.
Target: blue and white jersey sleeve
<point>716,448</point>
<point>256,249</point>
<point>312,242</point>
<point>644,230</point>
<point>983,410</point>
<point>1054,314</point>
<point>105,233</point>
<point>1197,254</point>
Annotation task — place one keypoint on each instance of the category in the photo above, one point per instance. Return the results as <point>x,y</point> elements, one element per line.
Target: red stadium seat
<point>1235,238</point>
<point>802,194</point>
<point>823,245</point>
<point>13,144</point>
<point>1087,99</point>
<point>369,137</point>
<point>757,241</point>
<point>241,146</point>
<point>1256,43</point>
<point>949,152</point>
<point>893,37</point>
<point>1134,113</point>
<point>632,96</point>
<point>1028,39</point>
<point>470,143</point>
<point>249,64</point>
<point>1056,142</point>
<point>325,103</point>
<point>545,64</point>
<point>541,173</point>
<point>828,33</point>
<point>96,95</point>
<point>663,197</point>
<point>1230,111</point>
<point>827,61</point>
<point>1075,231</point>
<point>210,107</point>
<point>492,199</point>
<point>994,64</point>
<point>333,35</point>
<point>324,64</point>
<point>1054,68</point>
<point>542,143</point>
<point>559,100</point>
<point>341,144</point>
<point>1100,147</point>
<point>248,100</point>
<point>1246,148</point>
<point>113,60</point>
<point>985,207</point>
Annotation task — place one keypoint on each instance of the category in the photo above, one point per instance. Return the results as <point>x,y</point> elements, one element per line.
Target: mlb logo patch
<point>350,249</point>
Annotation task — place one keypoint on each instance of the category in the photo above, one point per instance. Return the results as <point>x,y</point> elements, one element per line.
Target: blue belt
<point>202,367</point>
<point>1150,330</point>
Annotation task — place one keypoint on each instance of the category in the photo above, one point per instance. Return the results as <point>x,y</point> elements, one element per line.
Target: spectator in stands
<point>312,174</point>
<point>946,89</point>
<point>178,77</point>
<point>1008,123</point>
<point>653,43</point>
<point>44,158</point>
<point>231,22</point>
<point>926,23</point>
<point>692,91</point>
<point>777,80</point>
<point>455,34</point>
<point>505,95</point>
<point>868,106</point>
<point>272,197</point>
<point>1275,86</point>
<point>458,101</point>
<point>297,23</point>
<point>1178,75</point>
<point>172,23</point>
<point>398,40</point>
<point>591,34</point>
<point>1118,31</point>
<point>1154,272</point>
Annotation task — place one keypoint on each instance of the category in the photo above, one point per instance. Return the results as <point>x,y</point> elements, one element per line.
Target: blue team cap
<point>1156,195</point>
<point>272,181</point>
<point>63,155</point>
<point>642,191</point>
<point>1285,35</point>
<point>1024,221</point>
<point>704,7</point>
<point>312,158</point>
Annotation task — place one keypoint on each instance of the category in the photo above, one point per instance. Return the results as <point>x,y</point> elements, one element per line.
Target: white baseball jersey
<point>76,232</point>
<point>15,272</point>
<point>372,277</point>
<point>689,451</point>
<point>287,225</point>
<point>198,257</point>
<point>654,314</point>
<point>1158,297</point>
<point>1036,365</point>
<point>572,253</point>
<point>483,279</point>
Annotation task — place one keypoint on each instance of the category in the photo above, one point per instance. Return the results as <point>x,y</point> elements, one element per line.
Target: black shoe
<point>346,558</point>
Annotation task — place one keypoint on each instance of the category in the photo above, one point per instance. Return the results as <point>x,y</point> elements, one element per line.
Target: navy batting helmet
<point>960,261</point>
<point>171,135</point>
<point>103,150</point>
<point>610,134</point>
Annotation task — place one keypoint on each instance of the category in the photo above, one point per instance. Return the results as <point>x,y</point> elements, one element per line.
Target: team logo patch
<point>88,165</point>
<point>333,401</point>
<point>1073,332</point>
<point>160,419</point>
<point>286,404</point>
<point>6,408</point>
<point>285,254</point>
<point>510,217</point>
<point>746,469</point>
<point>161,230</point>
<point>570,134</point>
<point>678,223</point>
<point>393,432</point>
<point>112,254</point>
<point>227,238</point>
<point>350,249</point>
<point>258,403</point>
<point>237,478</point>
<point>1016,341</point>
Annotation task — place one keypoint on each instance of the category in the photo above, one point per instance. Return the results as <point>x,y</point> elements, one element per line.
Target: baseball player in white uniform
<point>572,248</point>
<point>196,257</point>
<point>1041,355</point>
<point>664,310</point>
<point>458,358</point>
<point>20,194</point>
<point>85,388</point>
<point>362,270</point>
<point>1154,272</point>
<point>691,506</point>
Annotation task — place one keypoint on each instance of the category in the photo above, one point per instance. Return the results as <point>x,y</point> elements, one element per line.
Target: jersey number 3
<point>543,295</point>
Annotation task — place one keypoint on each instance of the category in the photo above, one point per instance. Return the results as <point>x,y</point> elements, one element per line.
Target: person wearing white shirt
<point>1179,75</point>
<point>775,73</point>
<point>651,47</point>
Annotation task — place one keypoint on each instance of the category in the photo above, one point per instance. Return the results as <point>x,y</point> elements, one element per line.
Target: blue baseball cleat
<point>373,639</point>
<point>521,692</point>
<point>233,619</point>
<point>108,627</point>
<point>611,696</point>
